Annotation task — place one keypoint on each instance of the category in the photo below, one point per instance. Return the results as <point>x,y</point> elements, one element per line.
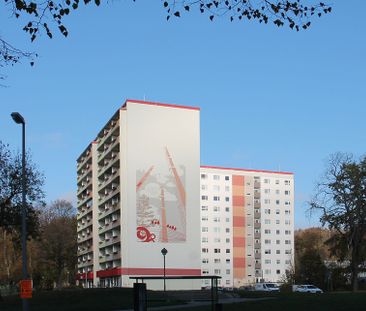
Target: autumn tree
<point>57,247</point>
<point>46,16</point>
<point>341,200</point>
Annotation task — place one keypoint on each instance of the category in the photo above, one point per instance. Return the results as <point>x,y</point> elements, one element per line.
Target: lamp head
<point>17,117</point>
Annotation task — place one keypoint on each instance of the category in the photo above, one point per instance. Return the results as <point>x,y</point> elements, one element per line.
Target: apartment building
<point>141,189</point>
<point>138,192</point>
<point>247,225</point>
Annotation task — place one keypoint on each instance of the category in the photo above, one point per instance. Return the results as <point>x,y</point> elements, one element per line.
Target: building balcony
<point>257,236</point>
<point>113,178</point>
<point>109,242</point>
<point>257,185</point>
<point>84,172</point>
<point>85,264</point>
<point>85,238</point>
<point>85,199</point>
<point>257,245</point>
<point>257,256</point>
<point>106,152</point>
<point>257,195</point>
<point>258,266</point>
<point>257,225</point>
<point>111,129</point>
<point>257,215</point>
<point>109,226</point>
<point>257,205</point>
<point>108,196</point>
<point>110,257</point>
<point>83,212</point>
<point>103,169</point>
<point>84,186</point>
<point>84,159</point>
<point>106,212</point>
<point>85,251</point>
<point>85,225</point>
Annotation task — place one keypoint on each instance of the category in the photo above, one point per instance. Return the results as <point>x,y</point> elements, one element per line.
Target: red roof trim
<point>158,104</point>
<point>245,170</point>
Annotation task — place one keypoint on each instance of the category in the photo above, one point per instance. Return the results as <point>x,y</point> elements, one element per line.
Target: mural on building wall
<point>161,202</point>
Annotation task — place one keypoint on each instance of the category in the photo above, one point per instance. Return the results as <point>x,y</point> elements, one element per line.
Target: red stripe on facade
<point>245,170</point>
<point>238,221</point>
<point>238,200</point>
<point>238,242</point>
<point>158,104</point>
<point>147,272</point>
<point>239,262</point>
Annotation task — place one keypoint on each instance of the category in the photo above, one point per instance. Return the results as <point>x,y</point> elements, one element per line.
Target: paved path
<point>191,304</point>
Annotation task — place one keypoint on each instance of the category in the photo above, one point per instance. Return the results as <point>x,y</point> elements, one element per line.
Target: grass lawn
<point>82,299</point>
<point>298,302</point>
<point>122,298</point>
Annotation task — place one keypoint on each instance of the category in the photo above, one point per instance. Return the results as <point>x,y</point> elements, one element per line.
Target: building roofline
<point>246,170</point>
<point>159,104</point>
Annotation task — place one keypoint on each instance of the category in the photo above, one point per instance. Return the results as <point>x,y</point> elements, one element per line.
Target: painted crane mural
<point>161,203</point>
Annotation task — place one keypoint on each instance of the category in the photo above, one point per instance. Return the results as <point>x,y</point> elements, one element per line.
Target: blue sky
<point>270,98</point>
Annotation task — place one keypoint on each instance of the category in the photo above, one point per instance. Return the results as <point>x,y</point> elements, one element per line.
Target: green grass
<point>345,301</point>
<point>122,298</point>
<point>83,299</point>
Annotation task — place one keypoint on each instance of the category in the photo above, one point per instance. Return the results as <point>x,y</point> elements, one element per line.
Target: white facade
<point>141,189</point>
<point>247,225</point>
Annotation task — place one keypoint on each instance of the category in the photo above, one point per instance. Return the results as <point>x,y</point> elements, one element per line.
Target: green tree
<point>341,199</point>
<point>44,16</point>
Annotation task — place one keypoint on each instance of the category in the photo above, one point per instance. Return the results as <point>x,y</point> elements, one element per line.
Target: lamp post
<point>164,252</point>
<point>17,117</point>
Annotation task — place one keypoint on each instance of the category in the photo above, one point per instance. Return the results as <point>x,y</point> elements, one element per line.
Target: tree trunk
<point>354,268</point>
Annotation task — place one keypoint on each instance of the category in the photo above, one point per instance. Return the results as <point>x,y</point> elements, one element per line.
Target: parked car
<point>308,289</point>
<point>266,287</point>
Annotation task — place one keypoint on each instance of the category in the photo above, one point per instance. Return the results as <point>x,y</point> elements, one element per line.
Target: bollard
<point>139,297</point>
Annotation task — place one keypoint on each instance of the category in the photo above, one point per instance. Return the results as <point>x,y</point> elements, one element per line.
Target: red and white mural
<point>161,202</point>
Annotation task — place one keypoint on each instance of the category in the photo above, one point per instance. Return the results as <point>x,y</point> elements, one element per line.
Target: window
<point>278,242</point>
<point>277,211</point>
<point>287,251</point>
<point>267,221</point>
<point>203,176</point>
<point>227,219</point>
<point>204,250</point>
<point>287,241</point>
<point>287,261</point>
<point>267,191</point>
<point>227,230</point>
<point>267,271</point>
<point>227,260</point>
<point>217,271</point>
<point>266,181</point>
<point>217,251</point>
<point>287,203</point>
<point>227,251</point>
<point>227,188</point>
<point>287,222</point>
<point>287,182</point>
<point>204,229</point>
<point>287,212</point>
<point>278,231</point>
<point>278,261</point>
<point>216,188</point>
<point>227,209</point>
<point>227,240</point>
<point>216,208</point>
<point>267,241</point>
<point>267,201</point>
<point>227,178</point>
<point>277,191</point>
<point>216,219</point>
<point>277,182</point>
<point>216,177</point>
<point>277,221</point>
<point>227,282</point>
<point>216,229</point>
<point>277,202</point>
<point>227,271</point>
<point>204,187</point>
<point>287,232</point>
<point>216,198</point>
<point>204,239</point>
<point>278,251</point>
<point>204,198</point>
<point>204,218</point>
<point>267,211</point>
<point>217,260</point>
<point>205,260</point>
<point>227,199</point>
<point>267,261</point>
<point>267,231</point>
<point>205,272</point>
<point>287,192</point>
<point>267,251</point>
<point>204,208</point>
<point>278,271</point>
<point>217,240</point>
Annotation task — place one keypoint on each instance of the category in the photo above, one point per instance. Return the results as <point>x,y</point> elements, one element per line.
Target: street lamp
<point>17,117</point>
<point>164,252</point>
